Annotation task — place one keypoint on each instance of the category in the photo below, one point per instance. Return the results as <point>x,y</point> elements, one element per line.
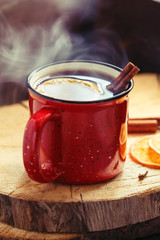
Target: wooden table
<point>121,208</point>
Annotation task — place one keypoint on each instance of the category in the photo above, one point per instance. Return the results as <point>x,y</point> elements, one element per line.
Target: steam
<point>109,48</point>
<point>22,50</point>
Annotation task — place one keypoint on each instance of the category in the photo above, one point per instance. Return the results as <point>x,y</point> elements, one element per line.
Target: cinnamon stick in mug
<point>119,83</point>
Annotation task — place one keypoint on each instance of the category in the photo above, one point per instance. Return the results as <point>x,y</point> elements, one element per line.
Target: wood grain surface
<point>145,97</point>
<point>142,231</point>
<point>57,208</point>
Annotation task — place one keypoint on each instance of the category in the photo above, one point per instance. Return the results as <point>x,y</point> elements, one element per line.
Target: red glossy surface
<point>74,143</point>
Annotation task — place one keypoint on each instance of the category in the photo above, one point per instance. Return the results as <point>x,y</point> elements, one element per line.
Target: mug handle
<point>38,172</point>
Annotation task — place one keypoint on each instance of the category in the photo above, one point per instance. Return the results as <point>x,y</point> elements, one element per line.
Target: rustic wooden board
<point>10,233</point>
<point>140,230</point>
<point>28,207</point>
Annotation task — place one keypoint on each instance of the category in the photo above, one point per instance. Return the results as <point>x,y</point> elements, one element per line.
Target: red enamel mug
<point>78,135</point>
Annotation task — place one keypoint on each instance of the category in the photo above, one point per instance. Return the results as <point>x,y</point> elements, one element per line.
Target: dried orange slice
<point>154,143</point>
<point>141,152</point>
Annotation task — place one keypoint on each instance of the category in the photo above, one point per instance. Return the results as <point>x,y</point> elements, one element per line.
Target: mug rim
<point>114,97</point>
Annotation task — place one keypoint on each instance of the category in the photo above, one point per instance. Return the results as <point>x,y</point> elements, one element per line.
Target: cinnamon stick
<point>142,125</point>
<point>119,84</point>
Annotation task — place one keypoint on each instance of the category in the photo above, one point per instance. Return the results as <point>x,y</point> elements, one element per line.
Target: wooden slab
<point>145,97</point>
<point>130,232</point>
<point>59,208</point>
<point>118,207</point>
<point>10,233</point>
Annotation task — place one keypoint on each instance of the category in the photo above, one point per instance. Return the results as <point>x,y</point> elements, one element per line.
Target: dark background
<point>113,31</point>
